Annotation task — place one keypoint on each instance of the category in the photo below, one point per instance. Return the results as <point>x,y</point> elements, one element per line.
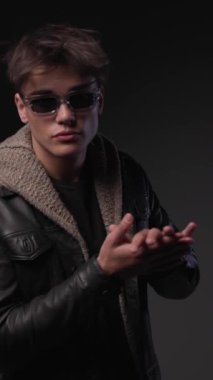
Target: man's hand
<point>146,252</point>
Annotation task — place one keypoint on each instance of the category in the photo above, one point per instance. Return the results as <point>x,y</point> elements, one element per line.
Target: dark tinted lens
<point>82,100</point>
<point>43,105</point>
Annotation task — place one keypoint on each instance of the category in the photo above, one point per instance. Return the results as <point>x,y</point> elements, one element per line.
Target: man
<point>82,231</point>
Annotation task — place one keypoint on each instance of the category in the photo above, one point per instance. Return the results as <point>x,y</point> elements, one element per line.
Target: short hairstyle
<point>54,45</point>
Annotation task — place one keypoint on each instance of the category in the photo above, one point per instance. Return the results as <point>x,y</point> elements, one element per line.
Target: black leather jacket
<point>48,293</point>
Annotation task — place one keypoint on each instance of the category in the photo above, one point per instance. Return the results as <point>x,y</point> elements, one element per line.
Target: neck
<point>65,169</point>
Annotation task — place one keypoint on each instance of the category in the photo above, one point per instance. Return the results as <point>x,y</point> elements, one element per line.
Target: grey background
<point>159,109</point>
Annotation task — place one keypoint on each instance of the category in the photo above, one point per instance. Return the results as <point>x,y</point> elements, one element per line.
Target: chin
<point>68,152</point>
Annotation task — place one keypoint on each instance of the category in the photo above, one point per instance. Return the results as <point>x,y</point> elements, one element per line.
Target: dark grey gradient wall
<point>158,108</point>
<point>160,111</point>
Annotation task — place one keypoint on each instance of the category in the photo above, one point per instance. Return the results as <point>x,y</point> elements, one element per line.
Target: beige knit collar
<point>21,172</point>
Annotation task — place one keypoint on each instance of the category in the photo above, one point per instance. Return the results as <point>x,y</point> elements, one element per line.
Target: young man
<point>82,231</point>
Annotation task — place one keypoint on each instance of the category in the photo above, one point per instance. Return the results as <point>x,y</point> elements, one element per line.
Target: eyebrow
<point>70,90</point>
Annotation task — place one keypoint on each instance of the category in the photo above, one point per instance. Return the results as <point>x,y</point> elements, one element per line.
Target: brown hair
<point>56,45</point>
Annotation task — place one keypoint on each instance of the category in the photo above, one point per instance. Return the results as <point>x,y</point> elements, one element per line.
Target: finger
<point>140,237</point>
<point>153,238</point>
<point>169,239</point>
<point>126,239</point>
<point>119,231</point>
<point>168,230</point>
<point>188,230</point>
<point>168,235</point>
<point>186,239</point>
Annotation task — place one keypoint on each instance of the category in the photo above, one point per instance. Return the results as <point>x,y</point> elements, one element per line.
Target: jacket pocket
<point>35,260</point>
<point>27,245</point>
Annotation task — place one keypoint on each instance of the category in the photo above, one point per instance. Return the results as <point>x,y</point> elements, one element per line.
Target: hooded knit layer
<point>22,173</point>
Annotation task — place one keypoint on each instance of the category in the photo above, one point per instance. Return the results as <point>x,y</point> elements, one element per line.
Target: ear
<point>21,108</point>
<point>101,102</point>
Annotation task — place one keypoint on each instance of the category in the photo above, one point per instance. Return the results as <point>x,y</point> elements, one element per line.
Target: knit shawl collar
<point>21,172</point>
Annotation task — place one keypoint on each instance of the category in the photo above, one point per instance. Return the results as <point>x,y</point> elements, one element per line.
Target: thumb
<point>111,227</point>
<point>118,231</point>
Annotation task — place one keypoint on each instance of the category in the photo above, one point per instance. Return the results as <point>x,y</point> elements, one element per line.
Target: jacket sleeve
<point>46,321</point>
<point>181,279</point>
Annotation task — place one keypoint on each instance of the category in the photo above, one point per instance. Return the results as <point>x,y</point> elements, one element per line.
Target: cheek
<point>91,124</point>
<point>39,132</point>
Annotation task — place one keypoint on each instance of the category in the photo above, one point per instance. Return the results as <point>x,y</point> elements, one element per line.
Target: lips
<point>66,133</point>
<point>67,136</point>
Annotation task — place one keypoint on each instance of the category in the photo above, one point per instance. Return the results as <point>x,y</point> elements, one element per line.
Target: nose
<point>65,113</point>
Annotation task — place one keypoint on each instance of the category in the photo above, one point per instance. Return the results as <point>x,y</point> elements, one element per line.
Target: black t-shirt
<point>108,349</point>
<point>80,199</point>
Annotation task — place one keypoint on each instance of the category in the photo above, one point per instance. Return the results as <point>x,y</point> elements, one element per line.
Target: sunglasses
<point>49,104</point>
